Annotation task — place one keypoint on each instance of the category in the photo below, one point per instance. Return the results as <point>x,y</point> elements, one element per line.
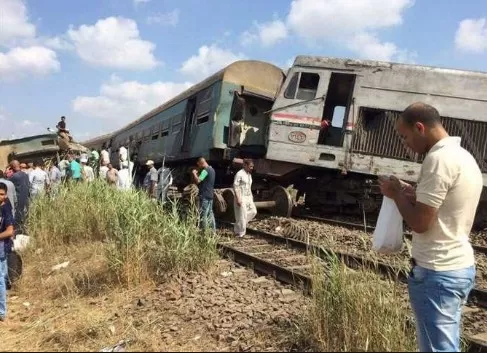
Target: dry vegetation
<point>125,254</point>
<point>356,311</point>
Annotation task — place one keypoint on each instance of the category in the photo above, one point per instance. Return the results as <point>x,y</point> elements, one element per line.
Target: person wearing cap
<point>151,178</point>
<point>87,173</point>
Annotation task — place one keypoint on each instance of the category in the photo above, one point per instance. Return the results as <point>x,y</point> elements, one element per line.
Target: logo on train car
<point>297,136</point>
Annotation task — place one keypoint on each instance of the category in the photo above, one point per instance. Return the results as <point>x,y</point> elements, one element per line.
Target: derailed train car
<point>327,128</point>
<point>358,102</point>
<point>37,147</point>
<point>204,121</point>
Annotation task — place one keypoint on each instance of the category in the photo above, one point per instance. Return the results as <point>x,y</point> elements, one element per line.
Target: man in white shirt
<point>244,206</point>
<point>440,211</point>
<point>39,180</point>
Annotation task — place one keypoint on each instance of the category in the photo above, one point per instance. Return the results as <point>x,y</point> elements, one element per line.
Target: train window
<point>291,87</point>
<point>165,132</point>
<point>303,86</point>
<point>308,86</point>
<point>155,137</point>
<point>202,119</point>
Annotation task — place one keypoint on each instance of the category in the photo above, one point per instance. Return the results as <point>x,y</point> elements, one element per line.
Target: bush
<point>357,311</point>
<point>144,240</point>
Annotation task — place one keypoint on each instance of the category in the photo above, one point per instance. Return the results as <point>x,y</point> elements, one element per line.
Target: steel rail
<point>408,235</point>
<point>301,281</point>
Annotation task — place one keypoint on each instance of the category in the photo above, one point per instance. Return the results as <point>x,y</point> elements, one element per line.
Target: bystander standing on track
<point>150,180</point>
<point>244,206</point>
<point>205,180</point>
<point>441,216</point>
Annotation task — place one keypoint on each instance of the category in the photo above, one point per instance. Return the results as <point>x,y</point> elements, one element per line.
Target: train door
<point>188,124</point>
<point>237,116</point>
<point>336,110</point>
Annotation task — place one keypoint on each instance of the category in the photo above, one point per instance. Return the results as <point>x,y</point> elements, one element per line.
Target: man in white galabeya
<point>440,211</point>
<point>244,206</point>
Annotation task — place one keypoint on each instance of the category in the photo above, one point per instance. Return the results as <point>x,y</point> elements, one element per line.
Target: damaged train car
<point>332,126</point>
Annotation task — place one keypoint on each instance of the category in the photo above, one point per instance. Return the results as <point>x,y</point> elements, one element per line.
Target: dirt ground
<point>226,309</point>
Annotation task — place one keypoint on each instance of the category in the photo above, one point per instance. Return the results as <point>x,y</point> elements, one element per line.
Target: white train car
<point>361,100</point>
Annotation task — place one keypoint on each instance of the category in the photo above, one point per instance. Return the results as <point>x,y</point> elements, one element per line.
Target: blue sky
<point>103,63</point>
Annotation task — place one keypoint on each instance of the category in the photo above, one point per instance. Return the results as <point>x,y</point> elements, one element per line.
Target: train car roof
<point>327,62</point>
<point>27,138</point>
<point>256,76</point>
<point>97,140</point>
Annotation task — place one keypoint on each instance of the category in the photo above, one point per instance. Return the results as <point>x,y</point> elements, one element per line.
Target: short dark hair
<point>422,113</point>
<point>63,117</point>
<point>37,163</point>
<point>2,174</point>
<point>3,187</point>
<point>248,161</point>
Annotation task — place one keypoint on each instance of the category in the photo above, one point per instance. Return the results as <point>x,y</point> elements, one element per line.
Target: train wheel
<point>228,196</point>
<point>284,203</point>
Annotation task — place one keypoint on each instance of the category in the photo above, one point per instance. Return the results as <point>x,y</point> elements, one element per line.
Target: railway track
<point>287,260</point>
<point>370,229</point>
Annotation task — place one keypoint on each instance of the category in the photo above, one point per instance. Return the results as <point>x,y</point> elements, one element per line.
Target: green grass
<point>144,241</point>
<point>356,311</point>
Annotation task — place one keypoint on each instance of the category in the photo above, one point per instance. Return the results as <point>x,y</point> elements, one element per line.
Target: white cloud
<point>208,61</point>
<point>27,123</point>
<point>315,19</point>
<point>137,2</point>
<point>368,46</point>
<point>124,101</point>
<point>17,127</point>
<point>22,62</point>
<point>14,21</point>
<point>267,34</point>
<point>471,35</point>
<point>352,24</point>
<point>57,43</point>
<point>166,19</point>
<point>113,42</point>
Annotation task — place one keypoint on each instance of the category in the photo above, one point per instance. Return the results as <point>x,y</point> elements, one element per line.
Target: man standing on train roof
<point>205,179</point>
<point>244,206</point>
<point>61,126</point>
<point>441,212</point>
<point>151,178</point>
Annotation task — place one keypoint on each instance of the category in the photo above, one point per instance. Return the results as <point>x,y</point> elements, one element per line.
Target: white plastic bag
<point>388,233</point>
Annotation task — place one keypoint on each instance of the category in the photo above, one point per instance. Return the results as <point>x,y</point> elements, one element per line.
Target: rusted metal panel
<point>375,135</point>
